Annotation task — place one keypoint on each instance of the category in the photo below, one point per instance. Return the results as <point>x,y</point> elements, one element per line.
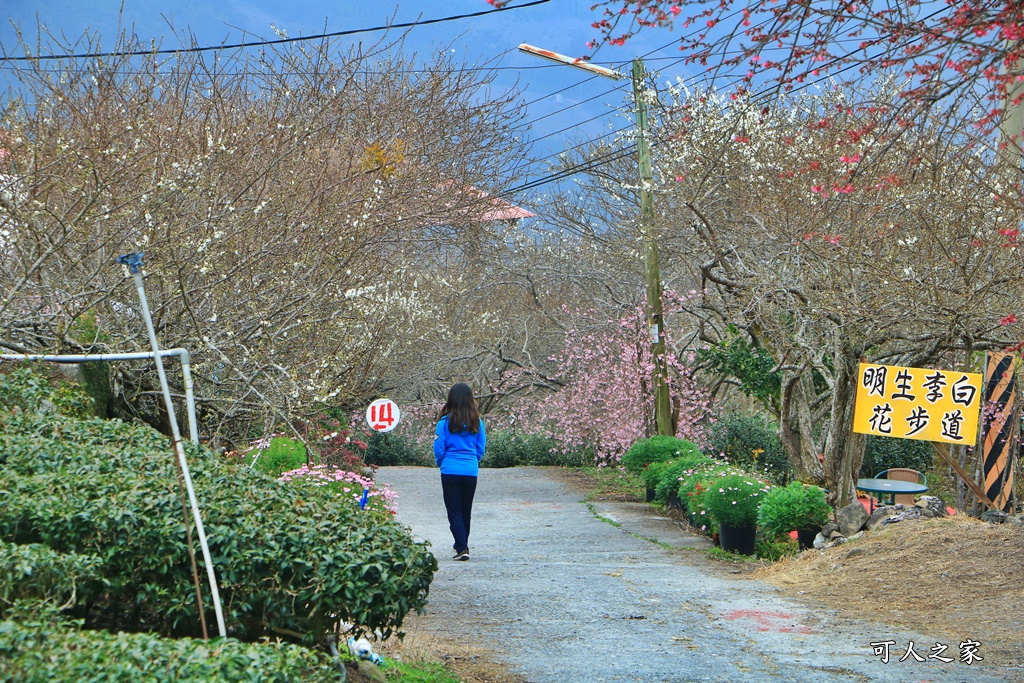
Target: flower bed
<point>345,483</point>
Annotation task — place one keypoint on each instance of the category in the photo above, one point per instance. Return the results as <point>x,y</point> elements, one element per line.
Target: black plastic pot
<point>739,539</point>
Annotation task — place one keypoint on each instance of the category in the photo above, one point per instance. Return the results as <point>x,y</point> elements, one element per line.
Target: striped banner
<point>1000,429</point>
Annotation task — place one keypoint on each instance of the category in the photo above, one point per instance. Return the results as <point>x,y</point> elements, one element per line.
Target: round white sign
<point>383,415</point>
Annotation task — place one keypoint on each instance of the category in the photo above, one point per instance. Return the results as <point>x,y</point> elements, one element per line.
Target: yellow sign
<point>914,403</point>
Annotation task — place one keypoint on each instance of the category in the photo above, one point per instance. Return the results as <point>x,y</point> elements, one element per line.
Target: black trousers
<point>458,500</point>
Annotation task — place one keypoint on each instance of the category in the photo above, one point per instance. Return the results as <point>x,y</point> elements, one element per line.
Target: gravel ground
<point>563,592</point>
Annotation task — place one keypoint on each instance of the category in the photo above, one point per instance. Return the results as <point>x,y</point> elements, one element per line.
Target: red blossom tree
<point>966,54</point>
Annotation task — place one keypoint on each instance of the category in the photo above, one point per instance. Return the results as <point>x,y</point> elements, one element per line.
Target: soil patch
<point>472,663</point>
<point>958,575</point>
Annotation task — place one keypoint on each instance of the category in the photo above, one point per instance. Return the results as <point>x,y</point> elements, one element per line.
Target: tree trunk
<point>844,450</point>
<point>796,428</point>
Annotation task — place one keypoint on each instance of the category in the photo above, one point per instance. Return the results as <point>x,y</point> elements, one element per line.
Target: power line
<point>280,41</point>
<point>609,158</point>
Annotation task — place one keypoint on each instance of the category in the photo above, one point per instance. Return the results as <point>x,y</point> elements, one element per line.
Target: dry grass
<point>956,576</point>
<point>471,662</point>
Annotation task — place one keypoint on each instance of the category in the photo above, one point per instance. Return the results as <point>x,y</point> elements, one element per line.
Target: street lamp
<point>652,275</point>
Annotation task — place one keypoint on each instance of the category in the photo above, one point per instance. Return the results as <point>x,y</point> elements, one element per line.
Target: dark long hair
<point>461,410</point>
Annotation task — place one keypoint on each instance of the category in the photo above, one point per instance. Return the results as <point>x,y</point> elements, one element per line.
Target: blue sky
<point>551,90</point>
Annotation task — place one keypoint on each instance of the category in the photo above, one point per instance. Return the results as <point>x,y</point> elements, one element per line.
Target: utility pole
<point>663,422</point>
<point>652,273</point>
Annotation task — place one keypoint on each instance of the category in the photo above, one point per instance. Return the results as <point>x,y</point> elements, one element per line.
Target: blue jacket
<point>459,452</point>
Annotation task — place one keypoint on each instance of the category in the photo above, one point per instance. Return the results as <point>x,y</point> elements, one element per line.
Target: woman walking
<point>458,449</point>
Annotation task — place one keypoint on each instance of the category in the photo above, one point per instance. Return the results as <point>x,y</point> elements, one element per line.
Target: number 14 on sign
<point>383,415</point>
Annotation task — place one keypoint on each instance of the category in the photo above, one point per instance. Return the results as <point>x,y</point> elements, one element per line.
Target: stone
<point>934,504</point>
<point>854,552</point>
<point>881,514</point>
<point>819,541</point>
<point>994,516</point>
<point>908,514</point>
<point>1016,521</point>
<point>851,518</point>
<point>855,536</point>
<point>827,530</point>
<point>371,671</point>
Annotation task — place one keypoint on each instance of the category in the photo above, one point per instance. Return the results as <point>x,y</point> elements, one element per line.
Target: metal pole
<point>190,399</point>
<point>134,263</point>
<point>652,273</point>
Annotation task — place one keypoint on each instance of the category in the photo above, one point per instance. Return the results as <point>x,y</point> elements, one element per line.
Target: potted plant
<point>732,500</point>
<point>794,507</point>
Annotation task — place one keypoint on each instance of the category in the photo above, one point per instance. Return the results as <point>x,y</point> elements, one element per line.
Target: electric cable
<point>279,41</point>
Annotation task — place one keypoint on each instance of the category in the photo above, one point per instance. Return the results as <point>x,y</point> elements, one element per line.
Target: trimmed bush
<point>36,574</point>
<point>750,442</point>
<point>41,651</point>
<point>292,559</point>
<point>656,449</point>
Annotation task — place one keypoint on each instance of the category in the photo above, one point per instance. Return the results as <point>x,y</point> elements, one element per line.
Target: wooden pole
<point>652,273</point>
<point>975,489</point>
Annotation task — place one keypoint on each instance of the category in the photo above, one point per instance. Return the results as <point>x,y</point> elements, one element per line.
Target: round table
<point>890,487</point>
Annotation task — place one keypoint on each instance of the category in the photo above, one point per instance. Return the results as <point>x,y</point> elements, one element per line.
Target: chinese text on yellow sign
<point>914,403</point>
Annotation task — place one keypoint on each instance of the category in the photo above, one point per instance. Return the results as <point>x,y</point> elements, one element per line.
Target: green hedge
<point>506,448</point>
<point>34,573</point>
<point>291,559</point>
<point>42,651</point>
<point>388,449</point>
<point>656,449</point>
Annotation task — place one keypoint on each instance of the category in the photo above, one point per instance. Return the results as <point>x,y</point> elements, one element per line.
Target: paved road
<point>561,595</point>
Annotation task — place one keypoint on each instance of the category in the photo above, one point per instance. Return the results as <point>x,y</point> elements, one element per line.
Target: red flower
<point>1008,320</point>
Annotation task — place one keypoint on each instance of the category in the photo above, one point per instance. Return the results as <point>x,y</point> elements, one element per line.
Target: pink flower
<point>675,10</point>
<point>1008,320</point>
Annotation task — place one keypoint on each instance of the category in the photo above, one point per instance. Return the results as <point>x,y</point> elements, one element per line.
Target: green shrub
<point>35,573</point>
<point>291,559</point>
<point>655,473</point>
<point>41,651</point>
<point>671,474</point>
<point>883,453</point>
<point>656,449</point>
<point>27,388</point>
<point>733,499</point>
<point>282,454</point>
<point>775,548</point>
<point>792,507</point>
<point>508,448</point>
<point>751,443</point>
<point>390,449</point>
